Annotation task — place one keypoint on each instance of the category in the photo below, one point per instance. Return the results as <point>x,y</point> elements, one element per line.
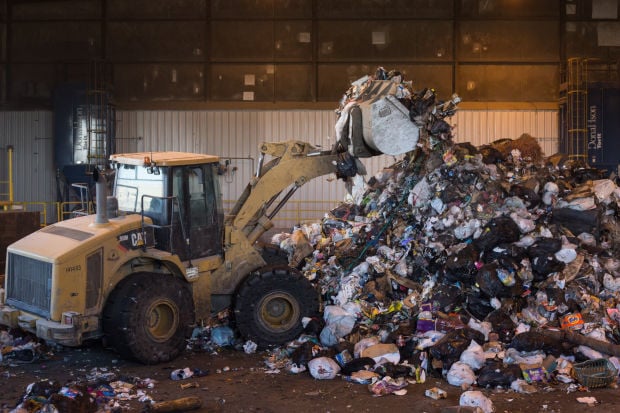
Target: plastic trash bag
<point>476,398</point>
<point>502,325</point>
<point>222,336</point>
<point>498,231</point>
<point>484,327</point>
<point>338,322</point>
<point>473,356</point>
<point>497,374</point>
<point>450,347</point>
<point>460,374</point>
<point>532,341</point>
<point>461,266</point>
<point>358,364</point>
<point>303,354</point>
<point>323,368</point>
<point>478,306</point>
<point>490,283</point>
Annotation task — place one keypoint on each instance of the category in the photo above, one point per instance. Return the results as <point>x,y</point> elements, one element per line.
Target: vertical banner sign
<point>594,137</point>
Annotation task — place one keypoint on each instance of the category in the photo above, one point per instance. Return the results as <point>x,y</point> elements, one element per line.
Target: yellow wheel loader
<point>160,257</point>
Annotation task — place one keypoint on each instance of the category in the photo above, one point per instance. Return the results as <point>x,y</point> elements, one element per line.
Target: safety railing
<point>72,209</point>
<point>6,198</point>
<point>33,206</point>
<point>294,213</point>
<point>297,212</point>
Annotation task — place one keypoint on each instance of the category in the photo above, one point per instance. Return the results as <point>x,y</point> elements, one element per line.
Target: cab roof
<point>163,158</point>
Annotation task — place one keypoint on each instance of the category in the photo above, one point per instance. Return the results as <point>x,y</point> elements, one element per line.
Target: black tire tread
<point>263,282</point>
<point>122,317</point>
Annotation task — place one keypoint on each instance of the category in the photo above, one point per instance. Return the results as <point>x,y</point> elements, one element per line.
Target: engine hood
<point>59,241</point>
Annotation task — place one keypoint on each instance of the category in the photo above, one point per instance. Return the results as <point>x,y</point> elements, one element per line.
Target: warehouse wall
<point>235,136</point>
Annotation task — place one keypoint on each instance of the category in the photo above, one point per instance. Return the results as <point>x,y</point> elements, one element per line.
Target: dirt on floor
<point>233,381</point>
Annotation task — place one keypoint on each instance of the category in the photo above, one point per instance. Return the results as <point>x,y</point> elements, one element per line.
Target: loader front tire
<point>270,304</point>
<point>148,317</point>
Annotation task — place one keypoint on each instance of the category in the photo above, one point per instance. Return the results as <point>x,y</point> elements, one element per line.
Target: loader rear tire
<point>271,303</point>
<point>148,317</point>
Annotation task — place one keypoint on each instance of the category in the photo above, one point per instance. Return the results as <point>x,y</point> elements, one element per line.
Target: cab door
<point>197,189</point>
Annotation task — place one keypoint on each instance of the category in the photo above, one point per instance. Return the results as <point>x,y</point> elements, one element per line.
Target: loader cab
<point>180,192</point>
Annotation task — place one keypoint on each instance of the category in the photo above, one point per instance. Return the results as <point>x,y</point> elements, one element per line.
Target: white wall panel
<point>235,136</point>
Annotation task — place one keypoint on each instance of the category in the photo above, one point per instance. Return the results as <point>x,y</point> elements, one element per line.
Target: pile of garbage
<point>489,266</point>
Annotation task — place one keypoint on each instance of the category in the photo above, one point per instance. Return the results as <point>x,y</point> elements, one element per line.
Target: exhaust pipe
<point>101,193</point>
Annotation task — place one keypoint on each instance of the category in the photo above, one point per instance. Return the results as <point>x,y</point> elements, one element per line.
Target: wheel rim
<point>278,312</point>
<point>162,320</point>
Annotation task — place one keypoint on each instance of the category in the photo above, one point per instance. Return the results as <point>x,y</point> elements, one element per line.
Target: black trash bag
<point>543,266</point>
<point>303,354</point>
<point>533,340</point>
<point>497,374</point>
<point>491,155</point>
<point>542,257</point>
<point>583,175</point>
<point>314,326</point>
<point>544,247</point>
<point>450,347</point>
<point>461,267</point>
<point>489,282</point>
<point>347,211</point>
<point>465,149</point>
<point>440,127</point>
<point>329,225</point>
<point>508,255</point>
<point>502,325</point>
<point>421,105</point>
<point>346,166</point>
<point>407,351</point>
<point>557,296</point>
<point>531,197</point>
<point>362,363</point>
<point>446,298</point>
<point>478,306</point>
<point>578,221</point>
<point>394,370</point>
<point>451,193</point>
<point>499,230</point>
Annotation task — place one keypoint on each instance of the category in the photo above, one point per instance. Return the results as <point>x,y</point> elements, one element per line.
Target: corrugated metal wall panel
<point>34,176</point>
<point>235,136</point>
<point>481,127</point>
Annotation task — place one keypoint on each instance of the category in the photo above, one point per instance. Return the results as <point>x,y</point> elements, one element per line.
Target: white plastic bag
<point>460,374</point>
<point>323,368</point>
<point>473,356</point>
<point>475,398</point>
<point>338,323</point>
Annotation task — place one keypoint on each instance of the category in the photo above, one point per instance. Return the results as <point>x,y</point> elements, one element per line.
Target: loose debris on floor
<point>95,390</point>
<point>492,267</point>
